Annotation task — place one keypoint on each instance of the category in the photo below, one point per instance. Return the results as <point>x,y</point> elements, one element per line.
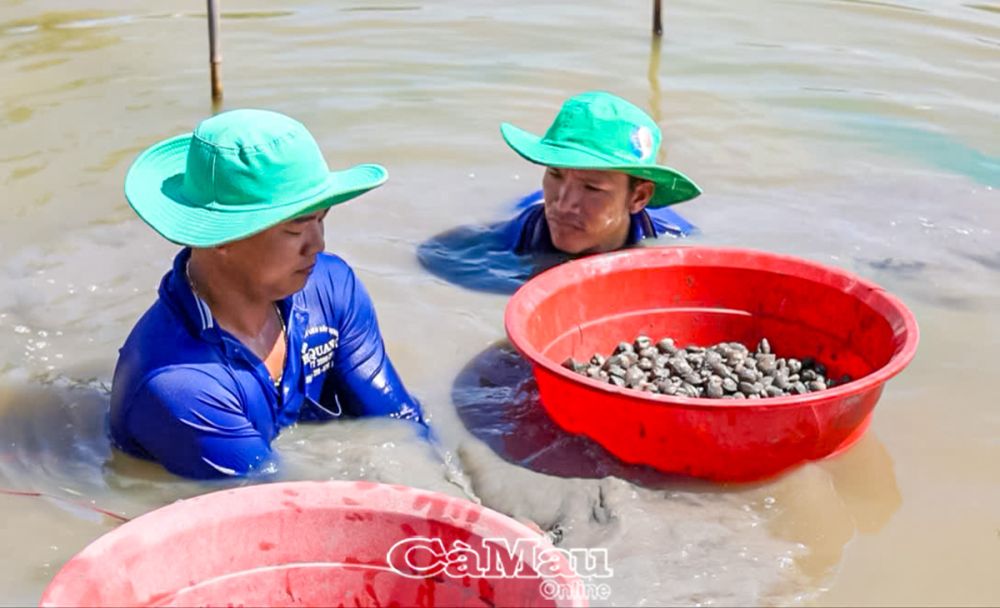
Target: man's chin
<point>294,285</point>
<point>569,246</point>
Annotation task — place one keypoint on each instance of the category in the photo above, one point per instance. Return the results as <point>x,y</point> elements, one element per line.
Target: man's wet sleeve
<point>195,426</point>
<point>668,221</point>
<point>365,380</point>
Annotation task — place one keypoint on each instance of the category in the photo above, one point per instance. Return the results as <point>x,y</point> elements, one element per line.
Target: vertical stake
<point>215,57</point>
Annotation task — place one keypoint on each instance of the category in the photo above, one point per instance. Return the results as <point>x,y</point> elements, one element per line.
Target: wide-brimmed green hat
<point>598,130</point>
<point>237,174</point>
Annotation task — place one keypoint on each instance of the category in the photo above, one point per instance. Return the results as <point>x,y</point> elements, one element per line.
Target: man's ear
<point>639,197</point>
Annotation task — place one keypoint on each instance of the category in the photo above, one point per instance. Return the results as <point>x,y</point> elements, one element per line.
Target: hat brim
<point>671,186</point>
<point>152,188</point>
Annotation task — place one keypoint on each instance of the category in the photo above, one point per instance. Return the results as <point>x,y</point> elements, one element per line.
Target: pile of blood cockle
<point>727,370</point>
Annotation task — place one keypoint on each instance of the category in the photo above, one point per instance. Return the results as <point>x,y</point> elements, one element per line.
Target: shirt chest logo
<point>319,345</point>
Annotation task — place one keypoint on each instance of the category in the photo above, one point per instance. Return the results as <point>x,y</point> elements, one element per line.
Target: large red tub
<point>700,295</point>
<point>318,544</point>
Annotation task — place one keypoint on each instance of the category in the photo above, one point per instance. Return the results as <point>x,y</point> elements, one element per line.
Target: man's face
<point>589,211</point>
<point>277,262</point>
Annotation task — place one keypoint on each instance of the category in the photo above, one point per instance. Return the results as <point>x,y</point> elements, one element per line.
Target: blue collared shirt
<point>190,395</point>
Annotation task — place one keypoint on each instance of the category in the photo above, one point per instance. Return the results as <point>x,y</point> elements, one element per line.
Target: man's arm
<point>195,426</point>
<point>363,378</point>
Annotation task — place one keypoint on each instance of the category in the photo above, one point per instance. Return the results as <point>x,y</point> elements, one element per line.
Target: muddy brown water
<point>857,133</point>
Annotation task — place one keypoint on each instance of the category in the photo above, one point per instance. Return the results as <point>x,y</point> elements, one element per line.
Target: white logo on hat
<point>642,142</point>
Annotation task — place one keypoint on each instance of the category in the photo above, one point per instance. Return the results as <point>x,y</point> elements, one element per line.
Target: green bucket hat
<point>598,130</point>
<point>237,174</point>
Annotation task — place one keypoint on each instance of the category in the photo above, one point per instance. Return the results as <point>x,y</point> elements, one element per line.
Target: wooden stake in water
<point>657,19</point>
<point>215,57</point>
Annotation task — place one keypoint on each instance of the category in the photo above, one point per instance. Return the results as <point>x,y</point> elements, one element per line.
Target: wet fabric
<point>188,394</point>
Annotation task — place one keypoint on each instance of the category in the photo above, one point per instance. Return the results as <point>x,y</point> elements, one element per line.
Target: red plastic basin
<point>310,544</point>
<point>703,296</point>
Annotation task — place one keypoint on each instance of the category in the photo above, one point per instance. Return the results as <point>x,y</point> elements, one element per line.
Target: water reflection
<point>653,75</point>
<point>823,505</point>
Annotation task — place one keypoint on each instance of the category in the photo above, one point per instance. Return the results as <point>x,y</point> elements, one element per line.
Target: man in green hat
<point>255,327</point>
<point>602,190</point>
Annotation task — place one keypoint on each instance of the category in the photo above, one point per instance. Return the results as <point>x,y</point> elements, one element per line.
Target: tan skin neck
<point>249,316</point>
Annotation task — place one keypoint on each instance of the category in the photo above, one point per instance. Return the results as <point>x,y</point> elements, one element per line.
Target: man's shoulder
<point>668,221</point>
<point>331,291</point>
<point>162,331</point>
<point>162,365</point>
<point>161,342</point>
<point>332,261</point>
<point>331,269</point>
<point>532,212</point>
<point>191,394</point>
<point>528,231</point>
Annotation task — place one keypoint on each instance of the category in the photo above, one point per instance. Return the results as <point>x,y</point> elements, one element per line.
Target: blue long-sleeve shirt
<point>190,395</point>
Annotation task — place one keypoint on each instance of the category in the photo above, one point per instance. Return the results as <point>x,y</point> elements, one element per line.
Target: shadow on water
<point>475,257</point>
<point>496,398</point>
<point>62,485</point>
<point>481,257</point>
<point>821,505</point>
<point>53,432</point>
<point>54,444</point>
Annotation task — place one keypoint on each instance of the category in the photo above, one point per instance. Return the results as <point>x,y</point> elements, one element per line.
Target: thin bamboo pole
<point>215,56</point>
<point>657,18</point>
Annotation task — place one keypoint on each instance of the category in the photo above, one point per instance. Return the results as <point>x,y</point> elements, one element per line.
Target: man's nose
<point>568,199</point>
<point>316,241</point>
